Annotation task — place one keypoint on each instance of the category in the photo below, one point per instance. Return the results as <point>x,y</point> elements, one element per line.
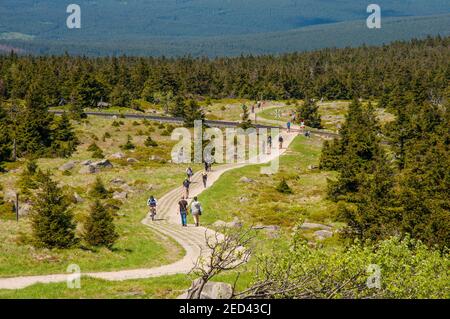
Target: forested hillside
<point>420,66</point>
<point>213,27</point>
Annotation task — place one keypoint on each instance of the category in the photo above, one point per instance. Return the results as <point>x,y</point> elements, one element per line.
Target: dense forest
<point>367,72</point>
<point>391,180</point>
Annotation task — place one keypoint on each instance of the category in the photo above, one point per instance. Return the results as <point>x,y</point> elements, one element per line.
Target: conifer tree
<point>64,140</point>
<point>246,122</point>
<point>99,228</point>
<point>52,220</point>
<point>309,111</point>
<point>5,137</point>
<point>193,112</point>
<point>99,190</point>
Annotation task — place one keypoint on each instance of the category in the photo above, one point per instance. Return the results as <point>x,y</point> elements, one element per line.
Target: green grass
<point>260,203</point>
<point>138,246</point>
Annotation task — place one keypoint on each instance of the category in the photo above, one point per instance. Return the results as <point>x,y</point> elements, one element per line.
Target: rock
<point>117,181</point>
<point>307,226</point>
<point>77,198</point>
<point>87,162</point>
<point>126,187</point>
<point>243,200</point>
<point>322,234</point>
<point>267,227</point>
<point>88,169</point>
<point>132,160</point>
<point>24,209</point>
<point>233,224</point>
<point>150,187</point>
<point>103,164</point>
<point>117,156</point>
<point>157,158</point>
<point>120,195</point>
<point>246,180</point>
<point>211,290</point>
<point>68,166</point>
<point>313,167</point>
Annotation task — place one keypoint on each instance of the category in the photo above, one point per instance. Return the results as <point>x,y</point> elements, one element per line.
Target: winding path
<point>192,239</point>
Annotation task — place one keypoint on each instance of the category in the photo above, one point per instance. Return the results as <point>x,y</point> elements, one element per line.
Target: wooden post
<point>17,207</point>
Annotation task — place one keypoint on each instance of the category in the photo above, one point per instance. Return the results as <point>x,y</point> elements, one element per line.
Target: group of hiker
<point>195,207</point>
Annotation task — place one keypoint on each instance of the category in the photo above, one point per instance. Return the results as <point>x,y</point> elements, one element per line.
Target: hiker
<point>189,173</point>
<point>308,134</point>
<point>196,211</point>
<point>204,178</point>
<point>281,140</point>
<point>152,203</point>
<point>253,109</point>
<point>288,127</point>
<point>183,211</point>
<point>187,184</point>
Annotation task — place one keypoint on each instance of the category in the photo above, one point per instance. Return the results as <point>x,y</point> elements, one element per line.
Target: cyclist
<point>152,203</point>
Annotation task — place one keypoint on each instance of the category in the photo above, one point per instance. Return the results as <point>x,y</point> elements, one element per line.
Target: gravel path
<point>168,223</point>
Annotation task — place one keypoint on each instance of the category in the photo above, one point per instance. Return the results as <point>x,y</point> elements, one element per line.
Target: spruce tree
<point>5,138</point>
<point>52,220</point>
<point>64,140</point>
<point>99,229</point>
<point>178,107</point>
<point>309,112</point>
<point>193,112</point>
<point>246,122</point>
<point>149,142</point>
<point>99,190</point>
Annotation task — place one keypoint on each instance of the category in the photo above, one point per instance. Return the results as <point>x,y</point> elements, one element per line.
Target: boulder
<point>77,198</point>
<point>313,167</point>
<point>86,162</point>
<point>117,181</point>
<point>233,224</point>
<point>88,169</point>
<point>117,156</point>
<point>24,209</point>
<point>132,160</point>
<point>267,227</point>
<point>322,234</point>
<point>157,158</point>
<point>307,226</point>
<point>103,164</point>
<point>120,195</point>
<point>67,166</point>
<point>246,180</point>
<point>243,200</point>
<point>211,290</point>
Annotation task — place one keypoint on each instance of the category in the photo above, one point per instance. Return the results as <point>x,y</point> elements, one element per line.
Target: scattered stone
<point>150,187</point>
<point>88,169</point>
<point>24,209</point>
<point>117,156</point>
<point>117,181</point>
<point>243,200</point>
<point>233,224</point>
<point>211,290</point>
<point>267,227</point>
<point>246,180</point>
<point>87,162</point>
<point>313,167</point>
<point>132,160</point>
<point>120,195</point>
<point>307,226</point>
<point>322,234</point>
<point>126,188</point>
<point>67,166</point>
<point>77,198</point>
<point>157,158</point>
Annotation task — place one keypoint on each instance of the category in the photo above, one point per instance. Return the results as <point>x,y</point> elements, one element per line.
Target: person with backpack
<point>196,211</point>
<point>288,127</point>
<point>281,140</point>
<point>186,185</point>
<point>205,178</point>
<point>189,173</point>
<point>183,211</point>
<point>152,203</point>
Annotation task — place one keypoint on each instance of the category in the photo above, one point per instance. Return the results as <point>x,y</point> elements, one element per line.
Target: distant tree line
<point>367,72</point>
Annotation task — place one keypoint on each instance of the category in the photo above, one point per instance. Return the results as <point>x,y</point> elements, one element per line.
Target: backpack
<point>151,202</point>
